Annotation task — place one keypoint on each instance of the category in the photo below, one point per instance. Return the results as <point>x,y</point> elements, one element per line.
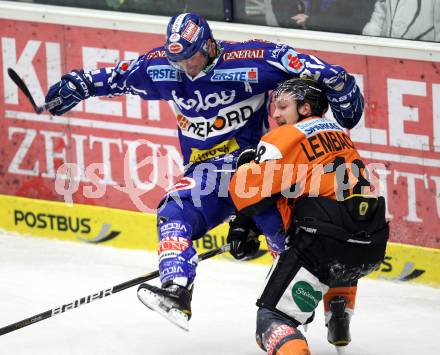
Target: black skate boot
<point>338,324</point>
<point>172,302</point>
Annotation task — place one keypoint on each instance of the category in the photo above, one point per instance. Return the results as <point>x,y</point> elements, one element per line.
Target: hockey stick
<point>22,86</point>
<point>98,295</point>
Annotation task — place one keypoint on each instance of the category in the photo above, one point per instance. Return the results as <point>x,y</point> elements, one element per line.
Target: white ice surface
<point>37,275</point>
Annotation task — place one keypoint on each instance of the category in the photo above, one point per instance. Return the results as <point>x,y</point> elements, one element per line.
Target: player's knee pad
<point>175,208</point>
<point>182,209</point>
<point>177,256</point>
<point>278,335</point>
<point>292,289</point>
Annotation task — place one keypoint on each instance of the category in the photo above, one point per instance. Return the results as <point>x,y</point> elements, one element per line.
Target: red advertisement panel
<point>124,153</point>
<point>125,149</point>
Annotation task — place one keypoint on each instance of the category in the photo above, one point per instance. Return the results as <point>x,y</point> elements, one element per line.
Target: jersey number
<point>343,191</point>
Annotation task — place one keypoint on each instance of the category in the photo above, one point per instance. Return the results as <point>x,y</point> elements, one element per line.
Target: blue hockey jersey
<point>222,109</point>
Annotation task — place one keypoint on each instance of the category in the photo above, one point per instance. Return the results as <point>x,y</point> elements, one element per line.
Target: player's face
<point>285,110</point>
<point>193,65</point>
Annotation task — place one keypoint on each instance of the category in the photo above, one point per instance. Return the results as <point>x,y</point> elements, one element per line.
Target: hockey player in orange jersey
<point>306,189</point>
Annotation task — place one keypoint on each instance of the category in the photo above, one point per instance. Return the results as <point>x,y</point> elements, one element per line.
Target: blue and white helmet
<point>187,34</point>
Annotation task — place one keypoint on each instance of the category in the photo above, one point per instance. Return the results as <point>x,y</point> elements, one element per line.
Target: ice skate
<point>338,324</point>
<point>172,302</point>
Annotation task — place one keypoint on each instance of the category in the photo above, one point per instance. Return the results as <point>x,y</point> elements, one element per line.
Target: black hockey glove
<point>243,237</point>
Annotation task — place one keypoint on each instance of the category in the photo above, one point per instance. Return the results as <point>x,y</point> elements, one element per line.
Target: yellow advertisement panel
<point>80,223</point>
<point>410,263</point>
<point>135,230</point>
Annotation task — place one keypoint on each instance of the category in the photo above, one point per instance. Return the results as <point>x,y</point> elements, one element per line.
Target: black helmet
<point>304,90</point>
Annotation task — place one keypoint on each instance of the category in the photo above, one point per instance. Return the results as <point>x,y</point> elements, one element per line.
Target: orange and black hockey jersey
<point>314,157</point>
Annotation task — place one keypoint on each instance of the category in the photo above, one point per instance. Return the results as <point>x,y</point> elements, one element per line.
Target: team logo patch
<point>125,66</point>
<point>163,73</point>
<point>191,32</point>
<point>175,48</point>
<point>249,75</point>
<point>305,296</point>
<point>174,37</point>
<point>292,62</point>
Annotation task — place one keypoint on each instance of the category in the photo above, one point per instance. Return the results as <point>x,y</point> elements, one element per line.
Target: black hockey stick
<point>22,86</point>
<point>98,295</point>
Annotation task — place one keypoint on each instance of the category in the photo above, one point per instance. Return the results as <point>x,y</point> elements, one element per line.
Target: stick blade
<point>22,86</point>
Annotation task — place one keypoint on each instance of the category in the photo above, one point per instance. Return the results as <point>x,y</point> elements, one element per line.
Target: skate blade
<point>153,302</point>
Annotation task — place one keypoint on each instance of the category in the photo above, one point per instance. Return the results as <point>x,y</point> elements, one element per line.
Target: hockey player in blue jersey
<point>219,90</point>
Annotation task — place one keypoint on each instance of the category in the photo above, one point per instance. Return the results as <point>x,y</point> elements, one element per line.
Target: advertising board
<point>124,151</point>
